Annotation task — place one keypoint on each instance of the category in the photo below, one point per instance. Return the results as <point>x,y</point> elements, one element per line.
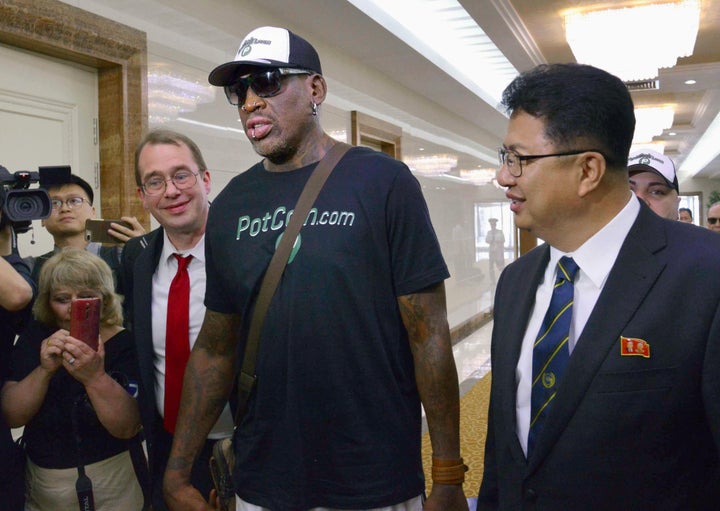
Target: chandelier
<point>634,42</point>
<point>431,165</point>
<point>173,90</point>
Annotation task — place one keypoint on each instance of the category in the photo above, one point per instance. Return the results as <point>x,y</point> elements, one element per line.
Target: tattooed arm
<point>209,377</point>
<point>425,318</point>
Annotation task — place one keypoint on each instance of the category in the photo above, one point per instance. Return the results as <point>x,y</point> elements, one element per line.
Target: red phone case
<point>85,320</point>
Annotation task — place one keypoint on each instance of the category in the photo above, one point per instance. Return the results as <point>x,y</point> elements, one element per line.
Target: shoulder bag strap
<point>246,377</point>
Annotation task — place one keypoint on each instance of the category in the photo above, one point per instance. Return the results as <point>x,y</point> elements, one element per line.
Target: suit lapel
<point>144,269</point>
<point>630,280</point>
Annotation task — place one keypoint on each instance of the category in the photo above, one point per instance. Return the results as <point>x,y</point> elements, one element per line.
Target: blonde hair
<point>76,269</point>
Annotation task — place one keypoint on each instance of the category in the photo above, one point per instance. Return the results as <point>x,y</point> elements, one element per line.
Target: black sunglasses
<point>713,221</point>
<point>264,83</point>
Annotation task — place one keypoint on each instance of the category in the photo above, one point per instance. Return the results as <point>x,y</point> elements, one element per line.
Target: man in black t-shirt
<point>356,335</point>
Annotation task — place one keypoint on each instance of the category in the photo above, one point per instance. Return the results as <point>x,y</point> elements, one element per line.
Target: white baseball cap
<point>267,47</point>
<point>647,160</point>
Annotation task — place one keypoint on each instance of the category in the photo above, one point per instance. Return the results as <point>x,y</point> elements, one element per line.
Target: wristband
<point>448,471</point>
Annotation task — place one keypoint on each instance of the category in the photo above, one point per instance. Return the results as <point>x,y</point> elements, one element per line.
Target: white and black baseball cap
<point>647,160</point>
<point>267,47</point>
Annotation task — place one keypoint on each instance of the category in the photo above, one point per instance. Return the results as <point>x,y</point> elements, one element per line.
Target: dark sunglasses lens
<point>713,221</point>
<point>236,92</point>
<point>266,84</point>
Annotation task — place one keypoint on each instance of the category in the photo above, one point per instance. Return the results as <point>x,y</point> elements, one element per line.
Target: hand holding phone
<point>97,230</point>
<point>85,320</point>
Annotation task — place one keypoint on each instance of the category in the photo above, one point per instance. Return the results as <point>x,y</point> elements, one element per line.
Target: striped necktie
<point>551,352</point>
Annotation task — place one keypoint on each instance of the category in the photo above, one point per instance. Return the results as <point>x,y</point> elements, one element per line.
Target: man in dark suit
<point>173,183</point>
<point>630,418</point>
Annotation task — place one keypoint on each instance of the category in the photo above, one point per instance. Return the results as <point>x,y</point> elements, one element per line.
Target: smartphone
<point>85,320</point>
<point>97,230</point>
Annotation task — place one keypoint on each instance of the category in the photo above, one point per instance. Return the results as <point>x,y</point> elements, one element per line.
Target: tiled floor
<point>472,357</point>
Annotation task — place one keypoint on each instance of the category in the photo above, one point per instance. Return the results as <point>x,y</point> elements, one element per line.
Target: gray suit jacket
<point>625,432</point>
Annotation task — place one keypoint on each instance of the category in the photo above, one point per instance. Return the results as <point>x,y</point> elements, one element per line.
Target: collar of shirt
<point>597,255</point>
<point>198,251</point>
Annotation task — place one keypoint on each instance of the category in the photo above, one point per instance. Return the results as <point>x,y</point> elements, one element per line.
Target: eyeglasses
<point>514,160</point>
<point>182,180</point>
<point>265,84</point>
<point>713,221</point>
<point>72,203</point>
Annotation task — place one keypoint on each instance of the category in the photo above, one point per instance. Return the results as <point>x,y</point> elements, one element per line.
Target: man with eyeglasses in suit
<point>605,384</point>
<point>72,205</point>
<point>173,183</point>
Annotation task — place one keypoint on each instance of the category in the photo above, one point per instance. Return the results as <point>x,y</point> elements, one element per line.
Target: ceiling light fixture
<point>173,90</point>
<point>445,34</point>
<point>431,165</point>
<point>644,38</point>
<point>651,122</point>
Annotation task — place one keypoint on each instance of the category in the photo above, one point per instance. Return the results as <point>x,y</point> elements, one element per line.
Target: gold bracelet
<point>448,471</point>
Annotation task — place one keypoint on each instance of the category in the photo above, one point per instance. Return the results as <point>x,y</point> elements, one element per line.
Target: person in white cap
<point>653,179</point>
<point>356,336</point>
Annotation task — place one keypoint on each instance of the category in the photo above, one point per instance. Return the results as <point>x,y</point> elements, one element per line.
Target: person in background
<point>73,400</point>
<point>713,217</point>
<point>496,249</point>
<point>17,291</point>
<point>653,179</point>
<point>605,385</point>
<point>72,205</point>
<point>173,184</point>
<point>685,215</point>
<point>356,336</point>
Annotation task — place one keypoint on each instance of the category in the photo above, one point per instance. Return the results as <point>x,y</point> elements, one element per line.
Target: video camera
<point>20,205</point>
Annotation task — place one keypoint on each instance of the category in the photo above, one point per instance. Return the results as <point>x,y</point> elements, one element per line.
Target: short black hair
<point>76,180</point>
<point>583,107</point>
<point>686,210</point>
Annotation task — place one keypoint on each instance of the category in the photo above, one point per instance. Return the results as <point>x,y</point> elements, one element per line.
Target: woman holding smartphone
<point>75,402</point>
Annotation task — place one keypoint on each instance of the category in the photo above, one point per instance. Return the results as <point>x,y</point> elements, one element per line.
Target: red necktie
<point>177,340</point>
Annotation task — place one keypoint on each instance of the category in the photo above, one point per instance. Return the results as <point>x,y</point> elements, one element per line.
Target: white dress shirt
<point>595,259</point>
<point>163,276</point>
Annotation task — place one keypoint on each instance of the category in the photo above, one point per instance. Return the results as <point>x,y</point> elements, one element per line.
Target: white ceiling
<point>370,69</point>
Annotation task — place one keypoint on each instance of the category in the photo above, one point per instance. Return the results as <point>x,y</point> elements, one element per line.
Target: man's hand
<point>122,233</point>
<point>446,497</point>
<point>187,498</point>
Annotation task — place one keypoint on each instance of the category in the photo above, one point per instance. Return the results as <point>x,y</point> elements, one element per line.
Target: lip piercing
<point>255,104</point>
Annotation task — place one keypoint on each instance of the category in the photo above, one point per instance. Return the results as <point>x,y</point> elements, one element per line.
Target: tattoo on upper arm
<point>218,334</point>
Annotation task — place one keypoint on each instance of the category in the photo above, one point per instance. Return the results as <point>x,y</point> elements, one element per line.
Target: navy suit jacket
<point>140,257</point>
<point>625,432</point>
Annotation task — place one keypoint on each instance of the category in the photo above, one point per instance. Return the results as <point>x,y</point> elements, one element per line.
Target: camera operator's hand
<point>15,291</point>
<point>122,233</point>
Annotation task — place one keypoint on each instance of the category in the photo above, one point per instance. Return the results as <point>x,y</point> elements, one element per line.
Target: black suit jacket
<point>140,257</point>
<point>625,432</point>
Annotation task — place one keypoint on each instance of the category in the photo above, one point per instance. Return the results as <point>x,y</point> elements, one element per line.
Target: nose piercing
<point>255,104</point>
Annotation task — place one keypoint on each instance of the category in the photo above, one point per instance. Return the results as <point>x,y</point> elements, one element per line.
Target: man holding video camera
<point>72,205</point>
<point>16,296</point>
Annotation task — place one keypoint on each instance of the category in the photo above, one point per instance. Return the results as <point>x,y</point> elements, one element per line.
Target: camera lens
<point>23,205</point>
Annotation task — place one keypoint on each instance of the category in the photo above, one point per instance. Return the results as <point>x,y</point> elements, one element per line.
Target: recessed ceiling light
<point>690,82</point>
<point>672,134</point>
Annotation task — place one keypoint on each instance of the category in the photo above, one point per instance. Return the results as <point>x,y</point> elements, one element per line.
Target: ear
<point>318,88</point>
<point>592,171</point>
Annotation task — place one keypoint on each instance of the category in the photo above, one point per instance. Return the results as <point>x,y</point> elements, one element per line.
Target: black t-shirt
<point>49,438</point>
<point>335,420</point>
